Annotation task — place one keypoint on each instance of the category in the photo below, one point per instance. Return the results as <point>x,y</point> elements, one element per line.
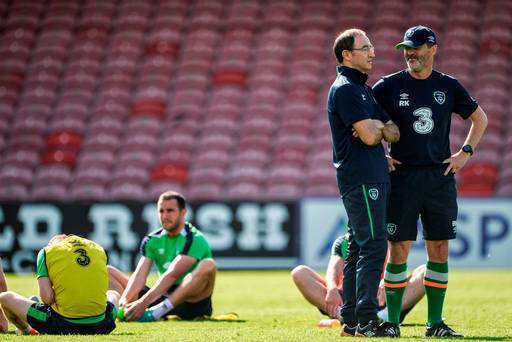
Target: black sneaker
<point>390,329</point>
<point>441,330</point>
<point>375,329</point>
<point>348,330</point>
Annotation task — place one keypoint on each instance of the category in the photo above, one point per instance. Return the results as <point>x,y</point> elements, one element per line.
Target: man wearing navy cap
<point>421,100</point>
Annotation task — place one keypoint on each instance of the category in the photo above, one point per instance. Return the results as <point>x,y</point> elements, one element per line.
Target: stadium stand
<point>119,100</point>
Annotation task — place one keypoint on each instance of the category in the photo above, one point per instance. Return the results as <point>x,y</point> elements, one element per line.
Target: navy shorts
<point>187,310</point>
<point>366,207</point>
<point>46,321</point>
<point>422,192</point>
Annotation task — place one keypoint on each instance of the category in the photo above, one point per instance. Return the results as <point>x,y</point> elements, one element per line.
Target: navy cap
<point>417,36</point>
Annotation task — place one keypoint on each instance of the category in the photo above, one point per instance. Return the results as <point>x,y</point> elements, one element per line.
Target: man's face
<point>171,217</point>
<point>420,58</point>
<point>362,54</point>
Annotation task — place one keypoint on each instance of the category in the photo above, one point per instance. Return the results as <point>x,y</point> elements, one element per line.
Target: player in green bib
<point>327,294</point>
<point>73,285</point>
<point>184,262</point>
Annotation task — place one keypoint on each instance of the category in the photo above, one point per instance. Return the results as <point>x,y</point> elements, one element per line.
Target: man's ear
<point>347,55</point>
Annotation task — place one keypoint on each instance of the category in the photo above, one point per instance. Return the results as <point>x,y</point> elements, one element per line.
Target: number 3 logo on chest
<point>424,124</point>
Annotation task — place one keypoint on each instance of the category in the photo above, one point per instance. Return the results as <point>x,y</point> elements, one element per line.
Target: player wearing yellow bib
<point>73,285</point>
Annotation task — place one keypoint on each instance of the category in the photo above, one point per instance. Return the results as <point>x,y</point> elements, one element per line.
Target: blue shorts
<point>422,192</point>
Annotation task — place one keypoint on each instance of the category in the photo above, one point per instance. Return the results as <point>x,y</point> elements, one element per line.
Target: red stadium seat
<point>166,172</point>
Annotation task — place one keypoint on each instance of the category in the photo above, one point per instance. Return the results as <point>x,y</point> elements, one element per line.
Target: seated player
<point>3,287</point>
<point>73,285</point>
<point>184,261</point>
<point>326,294</point>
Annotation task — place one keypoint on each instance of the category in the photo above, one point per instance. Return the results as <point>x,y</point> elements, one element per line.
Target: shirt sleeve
<point>144,250</point>
<point>42,270</point>
<point>199,248</point>
<point>339,247</point>
<point>464,104</point>
<point>351,104</point>
<point>379,91</point>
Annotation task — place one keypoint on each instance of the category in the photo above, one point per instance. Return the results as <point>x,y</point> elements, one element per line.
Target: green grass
<point>478,304</point>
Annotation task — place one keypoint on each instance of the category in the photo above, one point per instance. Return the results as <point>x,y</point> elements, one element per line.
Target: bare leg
<point>117,279</point>
<point>113,297</point>
<point>197,285</point>
<point>415,290</point>
<point>3,287</point>
<point>437,251</point>
<point>311,285</point>
<point>15,307</point>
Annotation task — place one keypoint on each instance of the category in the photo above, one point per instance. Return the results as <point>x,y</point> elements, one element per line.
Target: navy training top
<point>422,110</point>
<point>350,100</point>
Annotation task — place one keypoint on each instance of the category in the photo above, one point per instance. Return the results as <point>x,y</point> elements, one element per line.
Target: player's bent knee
<point>300,272</point>
<point>207,266</point>
<point>6,297</point>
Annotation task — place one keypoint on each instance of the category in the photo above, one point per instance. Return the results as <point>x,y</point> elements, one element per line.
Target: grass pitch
<point>478,304</point>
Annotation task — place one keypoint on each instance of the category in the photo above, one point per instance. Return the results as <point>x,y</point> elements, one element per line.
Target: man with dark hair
<point>73,285</point>
<point>358,125</point>
<point>421,101</point>
<point>184,261</point>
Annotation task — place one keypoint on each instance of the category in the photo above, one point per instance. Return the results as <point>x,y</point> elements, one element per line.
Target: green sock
<point>395,282</point>
<point>436,283</point>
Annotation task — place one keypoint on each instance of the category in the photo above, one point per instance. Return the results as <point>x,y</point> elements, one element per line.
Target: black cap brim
<point>407,43</point>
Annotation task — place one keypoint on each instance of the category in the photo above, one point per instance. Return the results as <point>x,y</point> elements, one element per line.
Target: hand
<point>378,124</point>
<point>354,133</point>
<point>332,302</point>
<point>381,295</point>
<point>122,301</point>
<point>391,163</point>
<point>4,325</point>
<point>456,162</point>
<point>134,310</point>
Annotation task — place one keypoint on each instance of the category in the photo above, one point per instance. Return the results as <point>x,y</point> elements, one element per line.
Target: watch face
<point>467,149</point>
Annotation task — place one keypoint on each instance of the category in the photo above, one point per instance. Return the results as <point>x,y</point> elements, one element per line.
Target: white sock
<point>161,309</point>
<point>383,314</point>
<point>338,312</point>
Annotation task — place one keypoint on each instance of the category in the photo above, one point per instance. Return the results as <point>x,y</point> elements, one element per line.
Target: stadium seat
<point>210,86</point>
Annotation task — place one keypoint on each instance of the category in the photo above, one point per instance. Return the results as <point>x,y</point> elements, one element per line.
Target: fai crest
<point>374,193</point>
<point>439,96</point>
<point>391,228</point>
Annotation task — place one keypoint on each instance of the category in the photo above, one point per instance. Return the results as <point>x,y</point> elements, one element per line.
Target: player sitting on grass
<point>3,288</point>
<point>185,265</point>
<point>326,294</point>
<point>73,284</point>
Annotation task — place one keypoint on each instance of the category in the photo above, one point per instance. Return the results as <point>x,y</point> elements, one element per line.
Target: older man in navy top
<point>358,125</point>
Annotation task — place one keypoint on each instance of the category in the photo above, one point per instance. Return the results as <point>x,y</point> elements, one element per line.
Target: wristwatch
<point>468,149</point>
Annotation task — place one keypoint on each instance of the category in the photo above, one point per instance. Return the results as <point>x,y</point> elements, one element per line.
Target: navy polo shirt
<point>422,110</point>
<point>350,100</point>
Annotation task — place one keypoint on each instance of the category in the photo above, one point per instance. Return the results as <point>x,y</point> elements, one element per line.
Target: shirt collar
<point>352,73</point>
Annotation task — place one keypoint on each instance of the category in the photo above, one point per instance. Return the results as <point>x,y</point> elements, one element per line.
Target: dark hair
<point>345,41</point>
<point>169,195</point>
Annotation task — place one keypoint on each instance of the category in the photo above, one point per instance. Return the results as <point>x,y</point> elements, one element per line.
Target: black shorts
<point>366,207</point>
<point>46,321</point>
<point>187,310</point>
<point>422,192</point>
